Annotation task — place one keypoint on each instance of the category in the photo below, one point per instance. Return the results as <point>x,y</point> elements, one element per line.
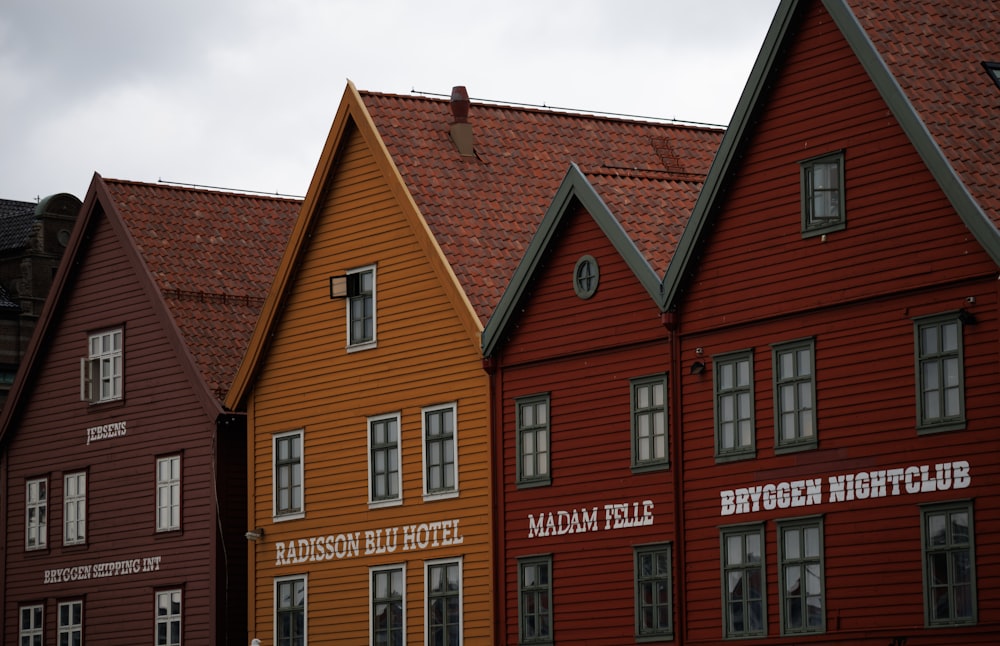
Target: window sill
<point>380,504</point>
<point>443,495</point>
<point>280,518</point>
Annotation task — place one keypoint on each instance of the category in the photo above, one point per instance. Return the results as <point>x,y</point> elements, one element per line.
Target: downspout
<point>669,320</point>
<point>499,556</point>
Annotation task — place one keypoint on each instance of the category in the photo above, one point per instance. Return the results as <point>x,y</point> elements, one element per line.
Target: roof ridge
<point>201,190</point>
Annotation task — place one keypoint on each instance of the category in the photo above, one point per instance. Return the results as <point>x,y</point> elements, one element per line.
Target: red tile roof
<point>935,51</point>
<point>483,210</point>
<point>213,255</point>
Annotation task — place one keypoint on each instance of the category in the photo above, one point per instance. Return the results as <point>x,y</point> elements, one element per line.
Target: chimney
<point>461,129</point>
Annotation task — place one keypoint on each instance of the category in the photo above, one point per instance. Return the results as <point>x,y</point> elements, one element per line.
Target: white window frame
<point>428,565</point>
<point>34,631</point>
<point>72,627</point>
<point>102,371</point>
<point>354,297</point>
<point>75,508</point>
<point>304,578</point>
<point>428,441</point>
<point>388,501</point>
<point>171,486</point>
<point>169,618</point>
<point>291,513</point>
<point>36,499</point>
<point>372,572</point>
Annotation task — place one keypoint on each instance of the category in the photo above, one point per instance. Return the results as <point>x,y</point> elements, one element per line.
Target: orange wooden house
<point>368,405</point>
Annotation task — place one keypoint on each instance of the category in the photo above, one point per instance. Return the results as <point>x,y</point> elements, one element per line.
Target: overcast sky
<point>241,93</point>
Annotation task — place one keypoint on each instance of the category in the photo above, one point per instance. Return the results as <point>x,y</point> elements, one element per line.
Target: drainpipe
<point>669,320</point>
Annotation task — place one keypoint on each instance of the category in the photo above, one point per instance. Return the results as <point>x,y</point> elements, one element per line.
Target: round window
<point>585,277</point>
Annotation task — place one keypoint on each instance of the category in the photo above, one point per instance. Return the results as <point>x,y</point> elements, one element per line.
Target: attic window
<point>585,277</point>
<point>993,69</point>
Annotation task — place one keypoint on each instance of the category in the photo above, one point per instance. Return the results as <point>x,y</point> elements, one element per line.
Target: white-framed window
<point>101,376</point>
<point>387,596</point>
<point>168,493</point>
<point>384,476</point>
<point>168,618</point>
<point>361,311</point>
<point>649,422</point>
<point>440,451</point>
<point>30,626</point>
<point>70,629</point>
<point>290,610</point>
<point>443,579</point>
<point>287,475</point>
<point>36,521</point>
<point>533,437</point>
<point>75,508</point>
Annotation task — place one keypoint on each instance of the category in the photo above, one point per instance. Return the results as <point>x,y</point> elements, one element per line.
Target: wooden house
<point>123,477</point>
<point>837,305</point>
<point>368,407</point>
<point>584,435</point>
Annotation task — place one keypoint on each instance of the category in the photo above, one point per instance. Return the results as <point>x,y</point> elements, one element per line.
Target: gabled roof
<point>205,259</point>
<point>927,63</point>
<point>642,215</point>
<point>475,215</point>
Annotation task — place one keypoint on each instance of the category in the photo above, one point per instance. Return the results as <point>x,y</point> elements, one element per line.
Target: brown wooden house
<point>123,477</point>
<point>838,312</point>
<point>584,435</point>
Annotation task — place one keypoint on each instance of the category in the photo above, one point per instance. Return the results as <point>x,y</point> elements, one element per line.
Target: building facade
<point>837,288</point>
<point>123,476</point>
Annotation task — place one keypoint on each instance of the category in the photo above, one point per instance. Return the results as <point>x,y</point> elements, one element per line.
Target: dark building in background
<point>32,240</point>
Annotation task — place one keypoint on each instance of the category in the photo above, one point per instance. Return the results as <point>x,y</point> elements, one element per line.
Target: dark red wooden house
<point>836,300</point>
<point>123,477</point>
<point>583,433</point>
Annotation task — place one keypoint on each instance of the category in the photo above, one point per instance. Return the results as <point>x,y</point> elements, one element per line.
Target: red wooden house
<point>836,300</point>
<point>579,360</point>
<point>123,477</point>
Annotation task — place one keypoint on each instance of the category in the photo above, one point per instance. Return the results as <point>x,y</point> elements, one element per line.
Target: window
<point>290,611</point>
<point>30,628</point>
<point>653,589</point>
<point>649,422</point>
<point>744,606</point>
<point>361,308</point>
<point>440,457</point>
<point>36,514</point>
<point>940,382</point>
<point>993,69</point>
<point>533,440</point>
<point>823,194</point>
<point>444,603</point>
<point>383,465</point>
<point>586,275</point>
<point>734,423</point>
<point>949,563</point>
<point>287,478</point>
<point>168,618</point>
<point>388,605</point>
<point>534,600</point>
<point>71,623</point>
<point>75,508</point>
<point>101,371</point>
<point>794,395</point>
<point>168,493</point>
<point>800,562</point>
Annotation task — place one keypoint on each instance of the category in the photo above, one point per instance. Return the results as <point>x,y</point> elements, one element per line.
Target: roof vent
<point>461,129</point>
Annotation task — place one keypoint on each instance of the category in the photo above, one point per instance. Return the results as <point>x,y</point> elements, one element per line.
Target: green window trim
<point>948,545</point>
<point>744,581</point>
<point>534,440</point>
<point>794,385</point>
<point>654,608</point>
<point>800,560</point>
<point>735,432</point>
<point>940,368</point>
<point>822,191</point>
<point>650,438</point>
<point>534,600</point>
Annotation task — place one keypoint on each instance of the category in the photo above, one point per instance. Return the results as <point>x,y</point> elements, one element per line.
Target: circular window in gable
<point>585,277</point>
